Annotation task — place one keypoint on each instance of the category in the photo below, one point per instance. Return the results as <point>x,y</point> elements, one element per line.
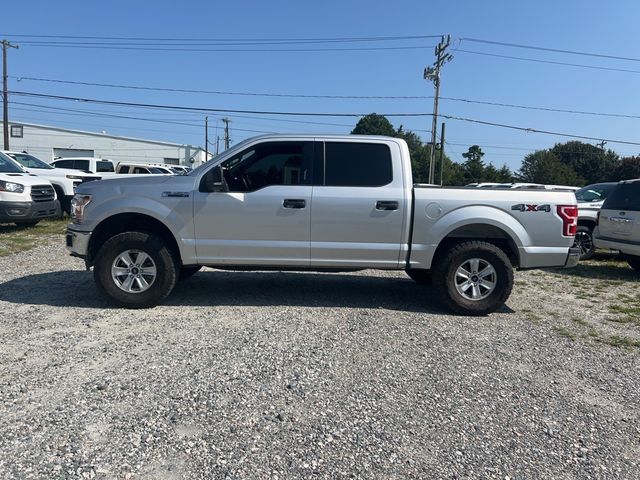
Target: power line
<point>323,114</point>
<point>202,109</point>
<point>268,50</point>
<point>192,39</point>
<point>546,49</point>
<point>217,92</point>
<point>287,95</point>
<point>551,62</point>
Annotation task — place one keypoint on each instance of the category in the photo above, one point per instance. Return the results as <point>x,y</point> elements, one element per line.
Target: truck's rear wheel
<point>135,270</point>
<point>473,278</point>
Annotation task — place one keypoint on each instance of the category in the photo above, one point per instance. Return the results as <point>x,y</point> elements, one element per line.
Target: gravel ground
<point>285,375</point>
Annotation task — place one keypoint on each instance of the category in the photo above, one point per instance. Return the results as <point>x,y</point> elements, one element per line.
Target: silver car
<point>619,222</point>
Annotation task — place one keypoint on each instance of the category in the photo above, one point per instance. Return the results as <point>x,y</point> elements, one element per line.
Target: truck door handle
<point>294,203</point>
<point>386,205</point>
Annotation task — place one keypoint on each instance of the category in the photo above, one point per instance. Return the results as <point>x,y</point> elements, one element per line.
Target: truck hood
<point>60,172</point>
<point>122,183</point>
<point>26,179</point>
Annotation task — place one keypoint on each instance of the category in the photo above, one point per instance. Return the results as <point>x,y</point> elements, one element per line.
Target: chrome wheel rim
<point>475,279</point>
<point>133,271</point>
<point>584,242</point>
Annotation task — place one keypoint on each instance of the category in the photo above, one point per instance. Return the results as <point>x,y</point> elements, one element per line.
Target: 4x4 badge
<point>524,207</point>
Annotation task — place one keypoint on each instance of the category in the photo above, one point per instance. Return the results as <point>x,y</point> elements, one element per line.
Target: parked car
<point>101,166</point>
<point>179,169</point>
<point>295,202</point>
<point>64,180</point>
<point>618,226</point>
<point>142,168</point>
<point>590,200</point>
<point>25,199</point>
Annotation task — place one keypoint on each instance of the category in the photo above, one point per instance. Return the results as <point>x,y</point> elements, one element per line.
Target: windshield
<point>594,193</point>
<point>7,165</point>
<point>30,161</point>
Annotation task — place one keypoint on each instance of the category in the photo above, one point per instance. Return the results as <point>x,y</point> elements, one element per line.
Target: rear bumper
<point>28,211</point>
<point>572,258</point>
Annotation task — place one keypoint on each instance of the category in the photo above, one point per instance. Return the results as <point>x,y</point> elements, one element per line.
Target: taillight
<point>569,216</point>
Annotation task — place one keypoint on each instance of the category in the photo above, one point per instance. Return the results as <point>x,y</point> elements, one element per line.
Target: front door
<point>265,216</point>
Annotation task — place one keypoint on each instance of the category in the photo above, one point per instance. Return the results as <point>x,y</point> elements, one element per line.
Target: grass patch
<point>581,321</point>
<point>564,332</point>
<point>617,341</point>
<point>14,239</point>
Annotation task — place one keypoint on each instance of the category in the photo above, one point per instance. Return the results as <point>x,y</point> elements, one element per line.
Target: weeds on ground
<point>14,239</point>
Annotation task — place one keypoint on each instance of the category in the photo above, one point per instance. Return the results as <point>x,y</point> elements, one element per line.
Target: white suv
<point>64,180</point>
<point>24,199</point>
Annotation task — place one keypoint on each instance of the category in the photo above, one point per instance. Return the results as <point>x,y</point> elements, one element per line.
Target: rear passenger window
<point>81,165</point>
<point>351,164</point>
<point>625,197</point>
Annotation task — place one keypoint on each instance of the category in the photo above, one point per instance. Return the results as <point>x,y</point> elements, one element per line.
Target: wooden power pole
<point>433,73</point>
<point>5,94</point>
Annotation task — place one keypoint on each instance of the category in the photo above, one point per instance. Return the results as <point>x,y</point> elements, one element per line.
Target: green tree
<point>505,175</point>
<point>591,163</point>
<point>545,167</point>
<point>628,168</point>
<point>374,124</point>
<point>473,167</point>
<point>490,174</point>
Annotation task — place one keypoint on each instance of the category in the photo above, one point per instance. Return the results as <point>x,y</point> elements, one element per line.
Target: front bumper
<point>28,211</point>
<point>573,257</point>
<point>78,242</point>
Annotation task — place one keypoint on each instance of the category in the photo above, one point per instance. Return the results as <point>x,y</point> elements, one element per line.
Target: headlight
<point>78,202</point>
<point>11,187</point>
<point>75,177</point>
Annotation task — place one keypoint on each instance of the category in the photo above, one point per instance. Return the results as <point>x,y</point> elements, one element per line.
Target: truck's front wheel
<point>135,270</point>
<point>473,278</point>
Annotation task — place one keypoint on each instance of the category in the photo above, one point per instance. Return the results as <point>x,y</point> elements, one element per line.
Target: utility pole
<point>433,73</point>
<point>5,94</point>
<point>227,138</point>
<point>441,153</point>
<point>217,144</point>
<point>206,138</point>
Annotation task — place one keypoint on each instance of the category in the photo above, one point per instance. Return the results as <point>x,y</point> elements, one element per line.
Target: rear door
<point>620,215</point>
<point>359,205</point>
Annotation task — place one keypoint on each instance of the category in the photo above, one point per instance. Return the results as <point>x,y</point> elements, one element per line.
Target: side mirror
<point>213,181</point>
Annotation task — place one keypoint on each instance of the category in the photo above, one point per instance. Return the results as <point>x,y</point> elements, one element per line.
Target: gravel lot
<point>284,375</point>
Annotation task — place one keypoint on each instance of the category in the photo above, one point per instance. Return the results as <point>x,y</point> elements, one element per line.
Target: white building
<point>49,143</point>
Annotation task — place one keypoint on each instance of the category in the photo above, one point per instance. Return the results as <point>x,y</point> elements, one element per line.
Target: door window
<point>81,165</point>
<point>351,164</point>
<point>626,196</point>
<point>63,164</point>
<point>272,163</point>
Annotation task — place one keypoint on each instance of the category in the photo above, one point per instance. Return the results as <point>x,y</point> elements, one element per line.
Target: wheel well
<point>487,233</point>
<point>587,223</point>
<point>130,222</point>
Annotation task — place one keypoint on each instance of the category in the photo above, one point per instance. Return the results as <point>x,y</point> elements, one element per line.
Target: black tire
<point>584,241</point>
<point>446,285</point>
<point>186,272</point>
<point>160,255</point>
<point>634,262</point>
<point>27,223</point>
<point>421,277</point>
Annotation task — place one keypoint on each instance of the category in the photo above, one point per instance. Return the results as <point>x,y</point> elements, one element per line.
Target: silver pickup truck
<point>304,202</point>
